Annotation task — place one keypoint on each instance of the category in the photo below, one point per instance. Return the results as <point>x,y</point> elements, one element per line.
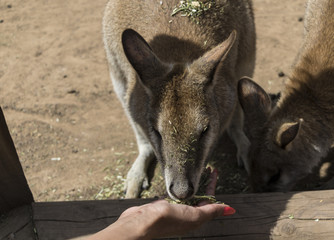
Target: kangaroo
<point>289,140</point>
<point>177,81</point>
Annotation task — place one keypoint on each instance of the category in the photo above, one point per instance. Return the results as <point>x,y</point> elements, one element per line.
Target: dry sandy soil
<point>71,134</point>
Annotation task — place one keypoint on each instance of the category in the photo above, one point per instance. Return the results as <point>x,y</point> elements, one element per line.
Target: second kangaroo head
<point>283,146</point>
<point>190,104</point>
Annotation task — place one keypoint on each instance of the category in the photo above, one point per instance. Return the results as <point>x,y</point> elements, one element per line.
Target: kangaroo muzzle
<point>181,189</point>
<point>181,184</point>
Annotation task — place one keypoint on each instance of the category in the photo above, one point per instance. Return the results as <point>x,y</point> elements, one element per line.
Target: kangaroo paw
<point>135,182</point>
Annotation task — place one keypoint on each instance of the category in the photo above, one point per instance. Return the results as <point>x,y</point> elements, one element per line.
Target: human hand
<point>162,219</point>
<point>165,219</point>
<point>178,219</point>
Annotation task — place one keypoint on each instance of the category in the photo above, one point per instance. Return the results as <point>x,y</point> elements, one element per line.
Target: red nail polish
<point>228,211</point>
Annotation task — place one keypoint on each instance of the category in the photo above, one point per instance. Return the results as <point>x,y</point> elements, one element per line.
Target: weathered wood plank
<point>14,190</point>
<point>17,224</point>
<point>64,220</point>
<point>79,210</point>
<point>303,215</point>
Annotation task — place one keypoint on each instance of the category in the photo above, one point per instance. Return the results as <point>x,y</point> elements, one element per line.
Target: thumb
<point>214,210</point>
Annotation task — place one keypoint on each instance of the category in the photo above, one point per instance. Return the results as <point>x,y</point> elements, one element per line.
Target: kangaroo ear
<point>255,102</point>
<point>287,133</point>
<point>210,60</point>
<point>219,53</point>
<point>141,57</point>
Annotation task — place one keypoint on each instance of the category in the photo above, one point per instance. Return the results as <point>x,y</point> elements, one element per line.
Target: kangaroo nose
<point>181,190</point>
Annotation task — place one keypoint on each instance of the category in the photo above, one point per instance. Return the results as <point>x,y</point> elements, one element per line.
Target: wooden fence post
<point>14,189</point>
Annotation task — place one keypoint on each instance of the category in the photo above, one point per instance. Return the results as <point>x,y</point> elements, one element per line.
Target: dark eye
<point>204,131</point>
<point>157,133</point>
<point>275,177</point>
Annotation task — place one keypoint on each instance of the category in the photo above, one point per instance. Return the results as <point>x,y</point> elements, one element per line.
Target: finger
<point>211,211</point>
<point>211,188</point>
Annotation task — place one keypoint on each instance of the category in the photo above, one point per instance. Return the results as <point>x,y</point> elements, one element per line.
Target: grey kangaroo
<point>289,140</point>
<point>177,82</point>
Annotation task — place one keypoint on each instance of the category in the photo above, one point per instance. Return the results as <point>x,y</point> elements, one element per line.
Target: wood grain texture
<point>293,215</point>
<point>301,215</point>
<point>17,224</point>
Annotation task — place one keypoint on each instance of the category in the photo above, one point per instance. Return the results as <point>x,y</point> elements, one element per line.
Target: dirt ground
<point>71,134</point>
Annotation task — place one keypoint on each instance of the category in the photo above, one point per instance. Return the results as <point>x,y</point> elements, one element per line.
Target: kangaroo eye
<point>204,131</point>
<point>275,177</point>
<point>157,133</point>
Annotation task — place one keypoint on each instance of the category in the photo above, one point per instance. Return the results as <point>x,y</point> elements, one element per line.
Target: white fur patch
<point>317,148</point>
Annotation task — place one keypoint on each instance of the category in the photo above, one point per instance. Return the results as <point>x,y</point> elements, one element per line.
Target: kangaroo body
<point>177,83</point>
<point>289,140</point>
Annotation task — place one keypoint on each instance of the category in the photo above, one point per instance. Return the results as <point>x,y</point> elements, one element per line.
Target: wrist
<point>128,228</point>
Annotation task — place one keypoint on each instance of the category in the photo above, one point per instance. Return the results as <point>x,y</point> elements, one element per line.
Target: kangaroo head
<point>189,106</point>
<point>278,154</point>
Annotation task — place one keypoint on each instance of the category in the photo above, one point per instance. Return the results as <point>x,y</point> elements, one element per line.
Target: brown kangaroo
<point>177,83</point>
<point>289,140</point>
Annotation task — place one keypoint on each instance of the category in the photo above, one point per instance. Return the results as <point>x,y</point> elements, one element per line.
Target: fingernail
<point>228,211</point>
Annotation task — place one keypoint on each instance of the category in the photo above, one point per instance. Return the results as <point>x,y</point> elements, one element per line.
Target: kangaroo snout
<point>181,189</point>
<point>182,182</point>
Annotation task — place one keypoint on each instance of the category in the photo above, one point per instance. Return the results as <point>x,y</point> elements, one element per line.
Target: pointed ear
<point>287,133</point>
<point>219,53</point>
<point>211,59</point>
<point>255,102</point>
<point>141,57</point>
